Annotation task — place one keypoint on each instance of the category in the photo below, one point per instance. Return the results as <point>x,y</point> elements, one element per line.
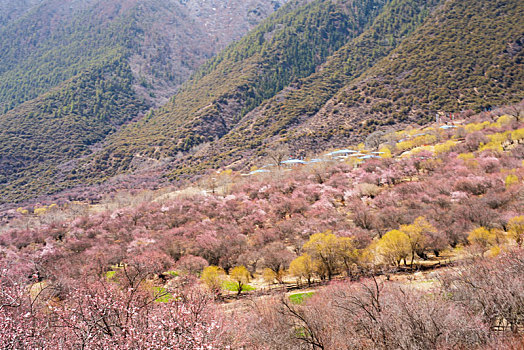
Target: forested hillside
<point>468,56</point>
<point>51,43</point>
<point>71,75</point>
<point>40,139</point>
<point>315,74</point>
<point>287,47</point>
<point>431,71</point>
<point>265,127</point>
<point>404,63</point>
<point>11,10</point>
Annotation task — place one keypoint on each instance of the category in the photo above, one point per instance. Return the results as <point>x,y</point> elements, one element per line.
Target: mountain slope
<point>285,48</point>
<point>467,56</point>
<point>266,126</point>
<point>51,43</point>
<point>39,138</point>
<point>71,74</point>
<point>464,56</point>
<point>316,74</point>
<point>11,10</point>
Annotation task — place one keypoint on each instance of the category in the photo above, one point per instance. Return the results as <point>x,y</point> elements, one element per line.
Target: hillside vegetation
<point>286,47</point>
<point>50,44</point>
<point>266,127</point>
<point>11,10</point>
<point>426,74</point>
<point>403,62</point>
<point>435,193</point>
<point>314,75</point>
<point>40,139</point>
<point>72,75</point>
<point>467,56</point>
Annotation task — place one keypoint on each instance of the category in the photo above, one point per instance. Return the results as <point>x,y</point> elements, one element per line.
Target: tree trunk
<point>239,288</point>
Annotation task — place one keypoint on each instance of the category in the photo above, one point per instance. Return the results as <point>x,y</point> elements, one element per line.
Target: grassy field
<point>233,287</point>
<point>299,298</point>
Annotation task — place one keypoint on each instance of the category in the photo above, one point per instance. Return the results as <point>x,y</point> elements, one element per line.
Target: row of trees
<point>476,305</point>
<point>326,254</point>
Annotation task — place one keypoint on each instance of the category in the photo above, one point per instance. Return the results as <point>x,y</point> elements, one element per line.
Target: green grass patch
<point>110,275</point>
<point>166,298</point>
<point>300,297</point>
<point>233,287</point>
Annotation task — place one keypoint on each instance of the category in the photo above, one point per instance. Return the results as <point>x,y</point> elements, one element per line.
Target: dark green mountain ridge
<point>462,56</point>
<point>467,56</point>
<point>286,47</point>
<point>73,72</point>
<point>315,75</point>
<point>457,60</point>
<point>266,127</point>
<point>11,10</point>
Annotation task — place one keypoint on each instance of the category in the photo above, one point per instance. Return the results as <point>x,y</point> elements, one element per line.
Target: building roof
<point>294,161</point>
<point>259,171</point>
<point>368,157</point>
<point>342,151</point>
